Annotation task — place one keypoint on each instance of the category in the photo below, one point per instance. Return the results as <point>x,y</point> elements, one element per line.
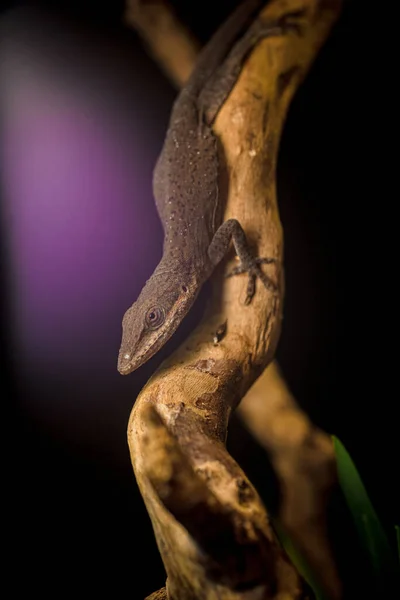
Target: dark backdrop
<point>83,114</point>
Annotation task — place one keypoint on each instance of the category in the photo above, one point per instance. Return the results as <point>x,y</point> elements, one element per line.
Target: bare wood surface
<point>178,426</point>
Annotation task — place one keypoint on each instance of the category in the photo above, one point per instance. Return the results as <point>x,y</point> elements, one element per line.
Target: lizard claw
<point>251,288</point>
<point>254,271</point>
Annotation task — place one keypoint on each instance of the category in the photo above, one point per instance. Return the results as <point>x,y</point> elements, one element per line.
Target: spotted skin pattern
<point>188,200</point>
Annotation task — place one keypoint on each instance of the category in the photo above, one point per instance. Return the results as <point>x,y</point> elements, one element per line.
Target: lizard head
<point>153,318</point>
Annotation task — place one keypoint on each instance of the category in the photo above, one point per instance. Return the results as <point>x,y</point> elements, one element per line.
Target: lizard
<point>185,186</point>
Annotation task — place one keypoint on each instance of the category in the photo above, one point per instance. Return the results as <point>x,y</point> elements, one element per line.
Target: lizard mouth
<point>124,369</point>
<point>127,363</point>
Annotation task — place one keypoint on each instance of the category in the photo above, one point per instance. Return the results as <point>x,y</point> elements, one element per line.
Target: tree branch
<point>171,44</point>
<point>178,426</point>
<point>303,458</point>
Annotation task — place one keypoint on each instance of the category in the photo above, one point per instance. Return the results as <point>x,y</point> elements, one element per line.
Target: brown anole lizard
<point>185,185</point>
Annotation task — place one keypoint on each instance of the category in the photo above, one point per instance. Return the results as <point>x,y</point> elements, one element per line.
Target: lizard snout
<point>124,363</point>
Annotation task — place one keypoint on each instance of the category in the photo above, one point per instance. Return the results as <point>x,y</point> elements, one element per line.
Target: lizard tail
<point>220,44</point>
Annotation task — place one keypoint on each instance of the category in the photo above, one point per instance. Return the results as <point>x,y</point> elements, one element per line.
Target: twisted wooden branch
<point>211,527</point>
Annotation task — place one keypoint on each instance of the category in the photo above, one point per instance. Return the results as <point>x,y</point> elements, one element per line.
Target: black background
<point>75,517</point>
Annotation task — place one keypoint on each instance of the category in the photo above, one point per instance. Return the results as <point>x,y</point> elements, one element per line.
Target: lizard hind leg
<point>232,230</point>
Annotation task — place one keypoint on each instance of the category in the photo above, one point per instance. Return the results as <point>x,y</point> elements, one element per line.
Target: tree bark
<point>211,528</point>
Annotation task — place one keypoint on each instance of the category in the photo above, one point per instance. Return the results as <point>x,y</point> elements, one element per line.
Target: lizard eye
<point>155,317</point>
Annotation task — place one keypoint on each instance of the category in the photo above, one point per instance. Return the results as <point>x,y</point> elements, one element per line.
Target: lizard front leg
<point>232,230</point>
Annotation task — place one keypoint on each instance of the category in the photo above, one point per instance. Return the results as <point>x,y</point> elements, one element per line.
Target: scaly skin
<point>186,192</point>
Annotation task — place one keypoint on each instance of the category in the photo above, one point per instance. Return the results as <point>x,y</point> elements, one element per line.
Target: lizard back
<point>186,186</point>
<point>185,180</point>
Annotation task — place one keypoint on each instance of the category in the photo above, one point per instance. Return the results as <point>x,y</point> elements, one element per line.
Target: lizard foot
<point>254,271</point>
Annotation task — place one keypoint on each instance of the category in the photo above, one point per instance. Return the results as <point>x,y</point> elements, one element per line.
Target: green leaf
<point>369,527</point>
